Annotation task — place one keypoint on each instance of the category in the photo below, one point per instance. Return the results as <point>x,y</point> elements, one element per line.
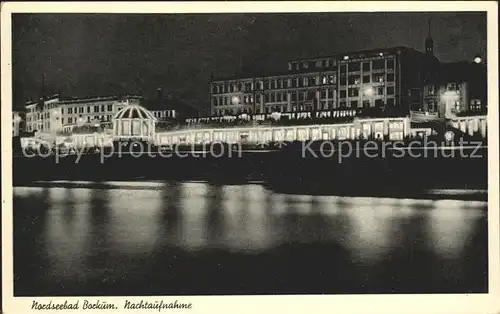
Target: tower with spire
<point>429,42</point>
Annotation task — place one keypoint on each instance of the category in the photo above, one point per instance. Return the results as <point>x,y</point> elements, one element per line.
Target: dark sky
<point>105,54</point>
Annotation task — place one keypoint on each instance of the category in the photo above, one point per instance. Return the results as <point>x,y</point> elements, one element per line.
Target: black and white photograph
<point>162,155</point>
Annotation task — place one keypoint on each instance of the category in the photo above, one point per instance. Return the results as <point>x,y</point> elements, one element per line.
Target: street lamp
<point>477,59</point>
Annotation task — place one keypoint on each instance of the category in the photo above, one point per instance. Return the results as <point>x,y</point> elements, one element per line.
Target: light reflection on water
<point>82,224</point>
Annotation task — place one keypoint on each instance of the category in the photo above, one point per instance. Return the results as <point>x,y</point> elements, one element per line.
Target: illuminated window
<point>377,78</point>
<point>354,79</point>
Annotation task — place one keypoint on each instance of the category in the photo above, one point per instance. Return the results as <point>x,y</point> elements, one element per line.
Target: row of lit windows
<point>377,91</point>
<point>274,84</point>
<point>374,78</point>
<point>302,107</point>
<point>391,102</point>
<point>273,97</point>
<point>51,105</point>
<point>306,81</point>
<point>367,66</point>
<point>305,65</point>
<point>72,120</point>
<point>163,114</point>
<point>267,109</point>
<point>87,109</point>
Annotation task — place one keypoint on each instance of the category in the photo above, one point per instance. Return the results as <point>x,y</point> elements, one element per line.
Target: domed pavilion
<point>134,122</point>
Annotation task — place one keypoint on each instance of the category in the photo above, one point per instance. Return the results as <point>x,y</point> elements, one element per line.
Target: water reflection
<point>450,226</point>
<point>193,205</point>
<point>134,224</point>
<point>87,230</point>
<point>67,229</point>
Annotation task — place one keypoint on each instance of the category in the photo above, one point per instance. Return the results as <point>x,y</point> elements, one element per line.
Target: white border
<point>448,303</point>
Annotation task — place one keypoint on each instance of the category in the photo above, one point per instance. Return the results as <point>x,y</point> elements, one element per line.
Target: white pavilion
<point>134,122</point>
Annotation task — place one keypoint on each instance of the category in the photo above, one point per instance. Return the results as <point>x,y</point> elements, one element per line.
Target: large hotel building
<point>52,114</point>
<point>384,78</point>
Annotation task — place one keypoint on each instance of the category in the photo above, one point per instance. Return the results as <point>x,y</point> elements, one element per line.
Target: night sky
<point>106,54</point>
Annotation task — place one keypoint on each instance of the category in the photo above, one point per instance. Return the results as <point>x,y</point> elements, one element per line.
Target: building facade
<point>384,79</point>
<point>394,129</point>
<point>18,123</point>
<point>461,89</point>
<point>52,114</point>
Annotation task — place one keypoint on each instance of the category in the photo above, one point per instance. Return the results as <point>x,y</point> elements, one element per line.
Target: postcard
<point>241,157</point>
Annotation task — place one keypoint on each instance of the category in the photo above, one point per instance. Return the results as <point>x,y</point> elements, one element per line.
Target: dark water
<point>154,238</point>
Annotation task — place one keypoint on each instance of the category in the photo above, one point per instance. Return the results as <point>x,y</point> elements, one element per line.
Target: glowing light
<point>449,136</point>
<point>346,57</point>
<point>368,91</point>
<point>235,100</point>
<point>450,95</point>
<point>477,59</point>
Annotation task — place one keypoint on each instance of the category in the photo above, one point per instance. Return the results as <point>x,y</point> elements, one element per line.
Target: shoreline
<point>438,176</point>
<point>480,195</point>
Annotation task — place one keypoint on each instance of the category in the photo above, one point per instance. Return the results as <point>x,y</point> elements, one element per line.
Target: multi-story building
<point>52,114</point>
<point>18,123</point>
<point>462,89</point>
<point>384,78</point>
<point>40,114</point>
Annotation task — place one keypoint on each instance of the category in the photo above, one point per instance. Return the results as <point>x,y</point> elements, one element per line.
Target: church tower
<point>429,42</point>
